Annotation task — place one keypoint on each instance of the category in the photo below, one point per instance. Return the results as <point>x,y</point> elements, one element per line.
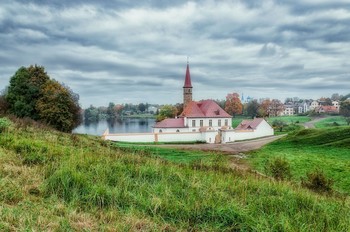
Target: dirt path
<point>229,148</point>
<point>311,124</point>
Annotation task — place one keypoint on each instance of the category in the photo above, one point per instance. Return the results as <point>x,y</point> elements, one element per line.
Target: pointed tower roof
<point>188,83</point>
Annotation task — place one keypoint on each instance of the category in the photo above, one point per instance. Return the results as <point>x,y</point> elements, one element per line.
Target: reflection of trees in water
<point>143,122</point>
<point>112,122</point>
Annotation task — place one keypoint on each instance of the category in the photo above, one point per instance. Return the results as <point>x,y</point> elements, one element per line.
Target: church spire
<point>188,83</point>
<point>187,92</point>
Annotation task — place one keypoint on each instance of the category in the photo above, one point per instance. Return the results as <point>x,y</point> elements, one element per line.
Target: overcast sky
<point>136,51</point>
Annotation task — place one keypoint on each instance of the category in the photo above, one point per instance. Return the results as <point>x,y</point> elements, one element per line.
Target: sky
<point>125,51</point>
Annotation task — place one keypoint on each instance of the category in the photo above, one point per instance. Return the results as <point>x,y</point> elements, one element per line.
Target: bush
<point>318,182</point>
<point>4,124</point>
<point>278,168</point>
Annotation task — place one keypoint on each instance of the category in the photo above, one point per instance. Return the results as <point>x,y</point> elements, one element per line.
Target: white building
<point>314,105</point>
<point>200,121</point>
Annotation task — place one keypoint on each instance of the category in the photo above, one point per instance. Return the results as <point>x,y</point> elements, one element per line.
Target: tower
<point>187,87</point>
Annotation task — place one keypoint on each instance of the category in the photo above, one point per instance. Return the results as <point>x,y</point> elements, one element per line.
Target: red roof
<point>328,109</point>
<point>204,109</point>
<point>249,124</point>
<point>188,78</point>
<point>170,123</point>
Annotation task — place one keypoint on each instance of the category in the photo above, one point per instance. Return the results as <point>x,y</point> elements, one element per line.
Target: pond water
<point>122,125</point>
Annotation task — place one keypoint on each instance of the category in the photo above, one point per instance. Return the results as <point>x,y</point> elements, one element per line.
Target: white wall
<point>264,129</point>
<point>133,137</point>
<point>215,123</point>
<point>180,137</point>
<point>169,130</point>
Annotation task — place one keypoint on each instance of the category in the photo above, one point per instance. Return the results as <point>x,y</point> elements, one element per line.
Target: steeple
<point>187,89</point>
<point>188,77</point>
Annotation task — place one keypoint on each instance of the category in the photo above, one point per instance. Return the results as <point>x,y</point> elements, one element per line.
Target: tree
<point>264,108</point>
<point>111,111</point>
<point>335,97</point>
<point>58,107</point>
<point>275,107</point>
<point>279,124</point>
<point>25,90</point>
<point>33,94</point>
<point>91,114</point>
<point>166,111</point>
<point>233,104</point>
<point>253,108</point>
<point>142,107</point>
<point>179,108</point>
<point>345,110</point>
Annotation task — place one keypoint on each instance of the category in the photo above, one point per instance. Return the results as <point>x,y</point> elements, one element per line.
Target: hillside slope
<point>56,181</point>
<point>307,150</point>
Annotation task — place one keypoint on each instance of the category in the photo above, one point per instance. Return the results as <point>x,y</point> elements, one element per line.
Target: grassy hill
<point>306,150</point>
<point>56,181</point>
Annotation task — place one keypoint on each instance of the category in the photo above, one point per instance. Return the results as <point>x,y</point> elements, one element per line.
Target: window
<point>193,123</point>
<point>177,130</point>
<point>160,131</point>
<point>219,122</point>
<point>226,122</point>
<point>201,123</point>
<point>210,122</point>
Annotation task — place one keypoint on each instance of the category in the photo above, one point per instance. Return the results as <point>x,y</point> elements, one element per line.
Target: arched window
<point>160,131</point>
<point>177,130</point>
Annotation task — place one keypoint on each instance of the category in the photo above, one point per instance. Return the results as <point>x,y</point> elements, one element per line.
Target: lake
<point>123,125</point>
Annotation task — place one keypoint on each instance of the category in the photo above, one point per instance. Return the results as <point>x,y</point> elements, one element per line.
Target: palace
<point>204,120</point>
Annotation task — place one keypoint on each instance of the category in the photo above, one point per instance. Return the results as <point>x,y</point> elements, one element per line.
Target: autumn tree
<point>264,108</point>
<point>166,111</point>
<point>233,104</point>
<point>275,108</point>
<point>58,107</point>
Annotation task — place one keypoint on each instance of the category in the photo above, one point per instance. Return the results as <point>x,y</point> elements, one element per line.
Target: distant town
<point>240,105</point>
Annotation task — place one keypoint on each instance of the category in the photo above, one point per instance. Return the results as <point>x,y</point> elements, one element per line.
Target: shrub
<point>318,182</point>
<point>4,124</point>
<point>278,168</point>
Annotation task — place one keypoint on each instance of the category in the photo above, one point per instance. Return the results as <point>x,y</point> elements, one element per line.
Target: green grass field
<point>306,150</point>
<point>51,181</point>
<point>331,122</point>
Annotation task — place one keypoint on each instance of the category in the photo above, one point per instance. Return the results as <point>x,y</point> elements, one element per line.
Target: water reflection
<point>119,125</point>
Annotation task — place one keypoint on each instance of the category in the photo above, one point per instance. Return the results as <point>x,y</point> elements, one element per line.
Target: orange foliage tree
<point>233,104</point>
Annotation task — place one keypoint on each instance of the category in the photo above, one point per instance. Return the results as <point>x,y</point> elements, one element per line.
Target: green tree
<point>142,107</point>
<point>58,107</point>
<point>253,108</point>
<point>345,110</point>
<point>279,124</point>
<point>33,94</point>
<point>111,111</point>
<point>91,114</point>
<point>166,111</point>
<point>24,91</point>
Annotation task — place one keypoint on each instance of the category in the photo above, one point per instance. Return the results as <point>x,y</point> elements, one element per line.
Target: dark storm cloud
<point>133,51</point>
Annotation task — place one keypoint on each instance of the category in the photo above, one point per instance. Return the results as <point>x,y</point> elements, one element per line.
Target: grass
<point>306,150</point>
<point>331,122</point>
<point>290,119</point>
<point>51,181</point>
<point>170,154</point>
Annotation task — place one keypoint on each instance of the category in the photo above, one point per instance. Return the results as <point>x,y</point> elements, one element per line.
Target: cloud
<point>136,51</point>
